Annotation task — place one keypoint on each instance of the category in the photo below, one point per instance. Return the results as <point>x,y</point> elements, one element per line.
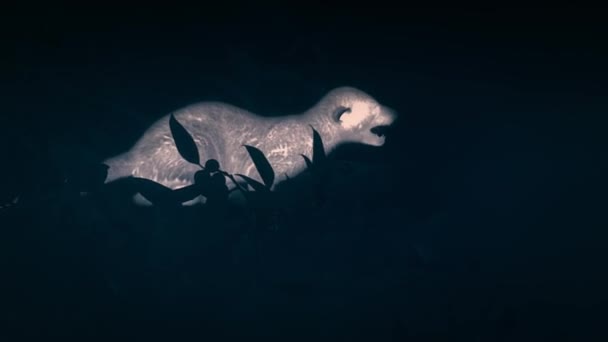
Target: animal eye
<point>339,112</point>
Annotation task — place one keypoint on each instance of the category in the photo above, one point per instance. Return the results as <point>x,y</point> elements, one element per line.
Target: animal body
<point>220,130</point>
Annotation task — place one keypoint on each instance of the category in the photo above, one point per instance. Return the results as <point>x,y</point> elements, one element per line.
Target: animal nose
<point>390,112</point>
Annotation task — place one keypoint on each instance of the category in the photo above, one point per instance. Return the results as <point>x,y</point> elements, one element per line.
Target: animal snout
<point>390,113</point>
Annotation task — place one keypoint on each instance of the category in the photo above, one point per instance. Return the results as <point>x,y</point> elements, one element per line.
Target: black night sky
<point>481,218</point>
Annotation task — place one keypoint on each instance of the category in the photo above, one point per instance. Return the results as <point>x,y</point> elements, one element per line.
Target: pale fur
<point>220,130</point>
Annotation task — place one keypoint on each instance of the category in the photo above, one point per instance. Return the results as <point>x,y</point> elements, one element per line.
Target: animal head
<point>357,117</point>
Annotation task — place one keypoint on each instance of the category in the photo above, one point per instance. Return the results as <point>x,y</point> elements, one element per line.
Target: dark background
<point>492,176</point>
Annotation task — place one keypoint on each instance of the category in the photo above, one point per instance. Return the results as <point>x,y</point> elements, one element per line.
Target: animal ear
<point>338,112</point>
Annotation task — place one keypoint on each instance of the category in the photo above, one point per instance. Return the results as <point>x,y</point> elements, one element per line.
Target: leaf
<point>231,177</point>
<point>260,199</point>
<point>257,186</point>
<point>184,142</point>
<point>156,193</point>
<point>318,151</point>
<point>308,161</point>
<point>262,165</point>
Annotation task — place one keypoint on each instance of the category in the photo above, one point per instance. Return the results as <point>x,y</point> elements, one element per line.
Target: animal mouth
<point>380,130</point>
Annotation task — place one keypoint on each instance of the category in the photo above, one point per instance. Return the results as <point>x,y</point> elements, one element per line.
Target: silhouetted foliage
<point>212,165</point>
<point>318,151</point>
<point>307,161</point>
<point>319,156</point>
<point>157,194</point>
<point>257,186</point>
<point>209,182</point>
<point>318,166</point>
<point>262,165</point>
<point>261,197</point>
<point>184,142</point>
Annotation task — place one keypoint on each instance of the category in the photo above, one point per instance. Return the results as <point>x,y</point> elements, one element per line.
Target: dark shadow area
<point>482,218</point>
